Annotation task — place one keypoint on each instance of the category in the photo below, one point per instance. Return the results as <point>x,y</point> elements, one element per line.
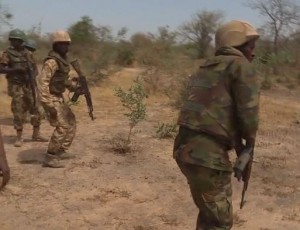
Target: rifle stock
<point>83,89</point>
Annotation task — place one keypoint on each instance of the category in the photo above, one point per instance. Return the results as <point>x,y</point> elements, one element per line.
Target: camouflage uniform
<point>52,83</point>
<point>19,89</point>
<point>221,109</point>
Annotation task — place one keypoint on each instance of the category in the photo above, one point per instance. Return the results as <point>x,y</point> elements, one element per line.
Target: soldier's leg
<point>17,108</point>
<point>35,117</point>
<point>211,192</point>
<point>70,135</point>
<point>9,88</point>
<point>58,137</point>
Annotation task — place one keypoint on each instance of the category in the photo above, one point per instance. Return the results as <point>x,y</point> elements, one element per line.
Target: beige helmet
<point>60,36</point>
<point>235,33</point>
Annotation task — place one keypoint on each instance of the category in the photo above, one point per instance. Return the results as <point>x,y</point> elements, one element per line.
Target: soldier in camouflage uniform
<point>52,83</point>
<point>14,64</point>
<point>220,112</point>
<point>4,169</point>
<point>31,46</point>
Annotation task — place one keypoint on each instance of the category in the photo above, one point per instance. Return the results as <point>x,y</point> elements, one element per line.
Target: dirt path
<point>143,190</point>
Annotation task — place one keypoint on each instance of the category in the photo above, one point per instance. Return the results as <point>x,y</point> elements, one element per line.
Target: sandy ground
<point>144,189</point>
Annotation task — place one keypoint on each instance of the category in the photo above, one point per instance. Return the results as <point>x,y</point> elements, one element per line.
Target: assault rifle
<point>83,89</point>
<point>242,170</point>
<point>30,74</point>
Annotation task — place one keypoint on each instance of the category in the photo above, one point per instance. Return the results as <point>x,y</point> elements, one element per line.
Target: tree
<point>200,29</point>
<point>134,101</point>
<point>83,31</point>
<point>5,15</point>
<point>281,16</point>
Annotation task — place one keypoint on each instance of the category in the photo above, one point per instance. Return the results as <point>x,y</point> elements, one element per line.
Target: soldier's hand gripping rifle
<point>242,169</point>
<point>83,89</point>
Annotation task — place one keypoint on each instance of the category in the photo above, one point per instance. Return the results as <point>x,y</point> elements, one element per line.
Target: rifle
<point>83,89</point>
<point>242,169</point>
<point>31,79</point>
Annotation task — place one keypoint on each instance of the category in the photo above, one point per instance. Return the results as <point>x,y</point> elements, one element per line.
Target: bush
<point>133,101</point>
<point>166,130</point>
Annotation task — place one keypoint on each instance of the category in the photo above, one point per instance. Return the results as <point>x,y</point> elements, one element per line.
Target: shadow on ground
<point>31,156</point>
<point>7,121</point>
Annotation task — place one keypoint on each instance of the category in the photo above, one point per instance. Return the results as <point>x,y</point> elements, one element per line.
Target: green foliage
<point>133,101</point>
<point>83,31</point>
<point>125,56</point>
<point>166,130</point>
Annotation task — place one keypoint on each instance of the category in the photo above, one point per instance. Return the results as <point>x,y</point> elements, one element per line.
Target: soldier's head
<point>238,34</point>
<point>60,42</point>
<point>16,38</point>
<point>30,45</point>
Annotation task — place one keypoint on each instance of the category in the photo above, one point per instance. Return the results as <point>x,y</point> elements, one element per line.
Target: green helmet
<point>17,34</point>
<point>30,43</point>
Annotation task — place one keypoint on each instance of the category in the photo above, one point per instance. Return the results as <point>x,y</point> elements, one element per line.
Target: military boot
<point>19,140</point>
<point>36,135</point>
<point>64,155</point>
<point>52,161</point>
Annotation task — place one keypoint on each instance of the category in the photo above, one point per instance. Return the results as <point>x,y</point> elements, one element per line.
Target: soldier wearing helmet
<point>220,112</point>
<point>52,83</point>
<point>13,63</point>
<point>31,45</point>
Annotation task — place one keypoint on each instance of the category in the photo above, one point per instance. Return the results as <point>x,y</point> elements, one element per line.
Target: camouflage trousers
<point>65,128</point>
<point>22,103</point>
<point>211,191</point>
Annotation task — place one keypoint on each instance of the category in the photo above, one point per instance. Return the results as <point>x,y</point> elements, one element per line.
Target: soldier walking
<point>221,111</point>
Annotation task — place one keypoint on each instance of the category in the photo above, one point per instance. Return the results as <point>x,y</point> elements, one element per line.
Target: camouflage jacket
<point>13,58</point>
<point>223,99</point>
<point>45,79</point>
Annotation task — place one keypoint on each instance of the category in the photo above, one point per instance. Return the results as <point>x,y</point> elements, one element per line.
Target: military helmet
<point>17,34</point>
<point>60,36</point>
<point>30,43</point>
<point>235,33</point>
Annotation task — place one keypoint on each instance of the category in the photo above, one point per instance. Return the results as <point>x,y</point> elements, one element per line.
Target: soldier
<point>220,112</point>
<point>31,46</point>
<point>4,169</point>
<point>14,64</point>
<point>52,83</point>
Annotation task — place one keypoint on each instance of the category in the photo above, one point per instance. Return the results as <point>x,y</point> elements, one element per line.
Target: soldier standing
<point>52,83</point>
<point>31,46</point>
<point>4,169</point>
<point>14,64</point>
<point>221,111</point>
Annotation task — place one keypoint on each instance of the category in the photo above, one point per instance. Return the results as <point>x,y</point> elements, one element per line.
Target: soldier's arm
<point>4,169</point>
<point>245,90</point>
<point>4,65</point>
<point>43,81</point>
<point>34,64</point>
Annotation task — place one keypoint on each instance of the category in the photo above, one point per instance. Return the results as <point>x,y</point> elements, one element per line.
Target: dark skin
<point>18,45</point>
<point>4,169</point>
<point>62,48</point>
<point>248,49</point>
